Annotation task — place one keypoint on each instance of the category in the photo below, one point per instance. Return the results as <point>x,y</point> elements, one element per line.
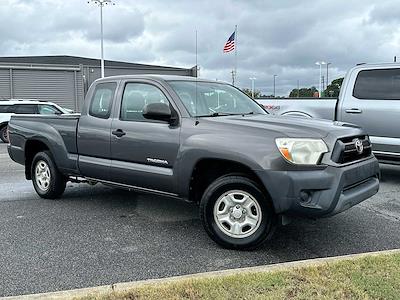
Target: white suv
<point>23,106</point>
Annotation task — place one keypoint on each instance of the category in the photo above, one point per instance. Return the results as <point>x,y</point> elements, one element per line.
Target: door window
<point>48,110</point>
<point>136,97</point>
<point>102,99</point>
<point>26,109</point>
<point>378,84</point>
<point>8,109</point>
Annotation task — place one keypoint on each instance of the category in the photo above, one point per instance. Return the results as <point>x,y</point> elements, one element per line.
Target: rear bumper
<point>16,154</point>
<point>324,192</point>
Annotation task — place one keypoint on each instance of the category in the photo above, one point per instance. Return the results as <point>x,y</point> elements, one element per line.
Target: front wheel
<point>236,213</point>
<point>47,180</point>
<point>4,134</point>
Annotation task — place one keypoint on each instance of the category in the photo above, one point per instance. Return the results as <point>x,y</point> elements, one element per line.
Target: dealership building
<point>65,79</point>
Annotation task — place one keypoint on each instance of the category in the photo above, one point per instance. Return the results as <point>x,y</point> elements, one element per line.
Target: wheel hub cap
<point>237,214</point>
<point>42,175</point>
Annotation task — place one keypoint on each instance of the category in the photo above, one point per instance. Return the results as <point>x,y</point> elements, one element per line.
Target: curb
<point>120,287</point>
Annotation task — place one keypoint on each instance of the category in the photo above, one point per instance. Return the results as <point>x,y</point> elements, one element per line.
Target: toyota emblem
<point>359,146</point>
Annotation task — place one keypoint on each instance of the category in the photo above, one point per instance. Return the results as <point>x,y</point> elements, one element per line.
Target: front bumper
<point>322,192</point>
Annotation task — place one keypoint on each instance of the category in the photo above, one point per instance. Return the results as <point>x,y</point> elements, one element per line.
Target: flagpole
<point>236,46</point>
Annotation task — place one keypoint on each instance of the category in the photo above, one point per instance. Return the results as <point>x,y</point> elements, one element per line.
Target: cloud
<point>274,37</point>
<point>386,13</point>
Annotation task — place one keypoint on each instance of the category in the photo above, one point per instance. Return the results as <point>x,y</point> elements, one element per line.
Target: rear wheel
<point>4,134</point>
<point>47,180</point>
<point>236,213</point>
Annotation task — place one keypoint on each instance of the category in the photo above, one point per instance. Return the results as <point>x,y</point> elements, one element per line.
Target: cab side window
<point>136,96</point>
<point>380,84</point>
<point>102,99</point>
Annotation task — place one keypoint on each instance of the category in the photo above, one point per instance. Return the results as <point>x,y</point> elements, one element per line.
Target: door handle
<point>354,111</point>
<point>118,133</point>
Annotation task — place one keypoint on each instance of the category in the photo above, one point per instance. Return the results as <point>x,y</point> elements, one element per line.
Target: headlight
<point>301,151</point>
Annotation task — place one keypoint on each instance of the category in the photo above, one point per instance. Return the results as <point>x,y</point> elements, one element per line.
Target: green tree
<point>247,91</point>
<point>333,89</point>
<point>303,92</point>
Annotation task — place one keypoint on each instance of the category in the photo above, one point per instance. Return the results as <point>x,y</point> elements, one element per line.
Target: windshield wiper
<point>220,114</point>
<point>217,114</point>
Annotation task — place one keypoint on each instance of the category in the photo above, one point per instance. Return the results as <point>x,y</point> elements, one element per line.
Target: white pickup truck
<point>369,97</point>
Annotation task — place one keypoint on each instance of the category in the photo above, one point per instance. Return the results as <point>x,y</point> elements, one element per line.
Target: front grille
<point>346,150</point>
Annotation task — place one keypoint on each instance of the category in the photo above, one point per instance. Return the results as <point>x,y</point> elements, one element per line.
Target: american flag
<point>230,43</point>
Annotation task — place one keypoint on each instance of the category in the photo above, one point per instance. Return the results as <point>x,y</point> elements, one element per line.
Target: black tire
<point>56,183</point>
<point>4,134</point>
<point>232,183</point>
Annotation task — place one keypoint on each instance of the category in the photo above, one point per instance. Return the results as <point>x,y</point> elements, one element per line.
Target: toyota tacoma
<point>201,141</point>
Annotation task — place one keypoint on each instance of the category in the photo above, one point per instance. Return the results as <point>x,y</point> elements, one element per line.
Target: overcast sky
<point>282,37</point>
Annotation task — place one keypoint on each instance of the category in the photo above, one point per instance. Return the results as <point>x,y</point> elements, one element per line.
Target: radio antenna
<point>195,99</point>
<point>196,54</point>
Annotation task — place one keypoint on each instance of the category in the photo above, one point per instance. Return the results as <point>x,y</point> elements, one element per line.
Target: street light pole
<point>274,83</point>
<point>101,4</point>
<point>252,86</point>
<point>327,73</point>
<point>320,63</point>
<point>102,46</point>
<point>298,89</point>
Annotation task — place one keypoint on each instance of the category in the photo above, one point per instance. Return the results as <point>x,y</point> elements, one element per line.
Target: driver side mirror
<point>157,111</point>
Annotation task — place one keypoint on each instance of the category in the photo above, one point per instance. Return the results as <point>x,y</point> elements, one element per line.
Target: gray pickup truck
<point>200,141</point>
<point>369,97</point>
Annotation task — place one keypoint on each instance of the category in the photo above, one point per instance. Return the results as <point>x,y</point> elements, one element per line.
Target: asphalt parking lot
<point>97,235</point>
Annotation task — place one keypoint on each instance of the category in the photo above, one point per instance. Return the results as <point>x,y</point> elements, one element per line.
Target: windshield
<point>214,99</point>
<point>63,109</point>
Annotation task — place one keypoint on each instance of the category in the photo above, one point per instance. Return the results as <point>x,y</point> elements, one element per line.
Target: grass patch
<point>374,277</point>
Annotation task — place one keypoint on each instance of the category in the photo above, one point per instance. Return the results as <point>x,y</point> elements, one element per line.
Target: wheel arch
<point>206,170</point>
<point>32,147</point>
<point>3,125</point>
<point>297,114</point>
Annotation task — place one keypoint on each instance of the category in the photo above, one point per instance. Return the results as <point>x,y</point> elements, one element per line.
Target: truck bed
<point>57,133</point>
<point>321,108</point>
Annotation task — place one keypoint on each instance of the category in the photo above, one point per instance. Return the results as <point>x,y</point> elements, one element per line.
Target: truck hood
<point>289,126</point>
